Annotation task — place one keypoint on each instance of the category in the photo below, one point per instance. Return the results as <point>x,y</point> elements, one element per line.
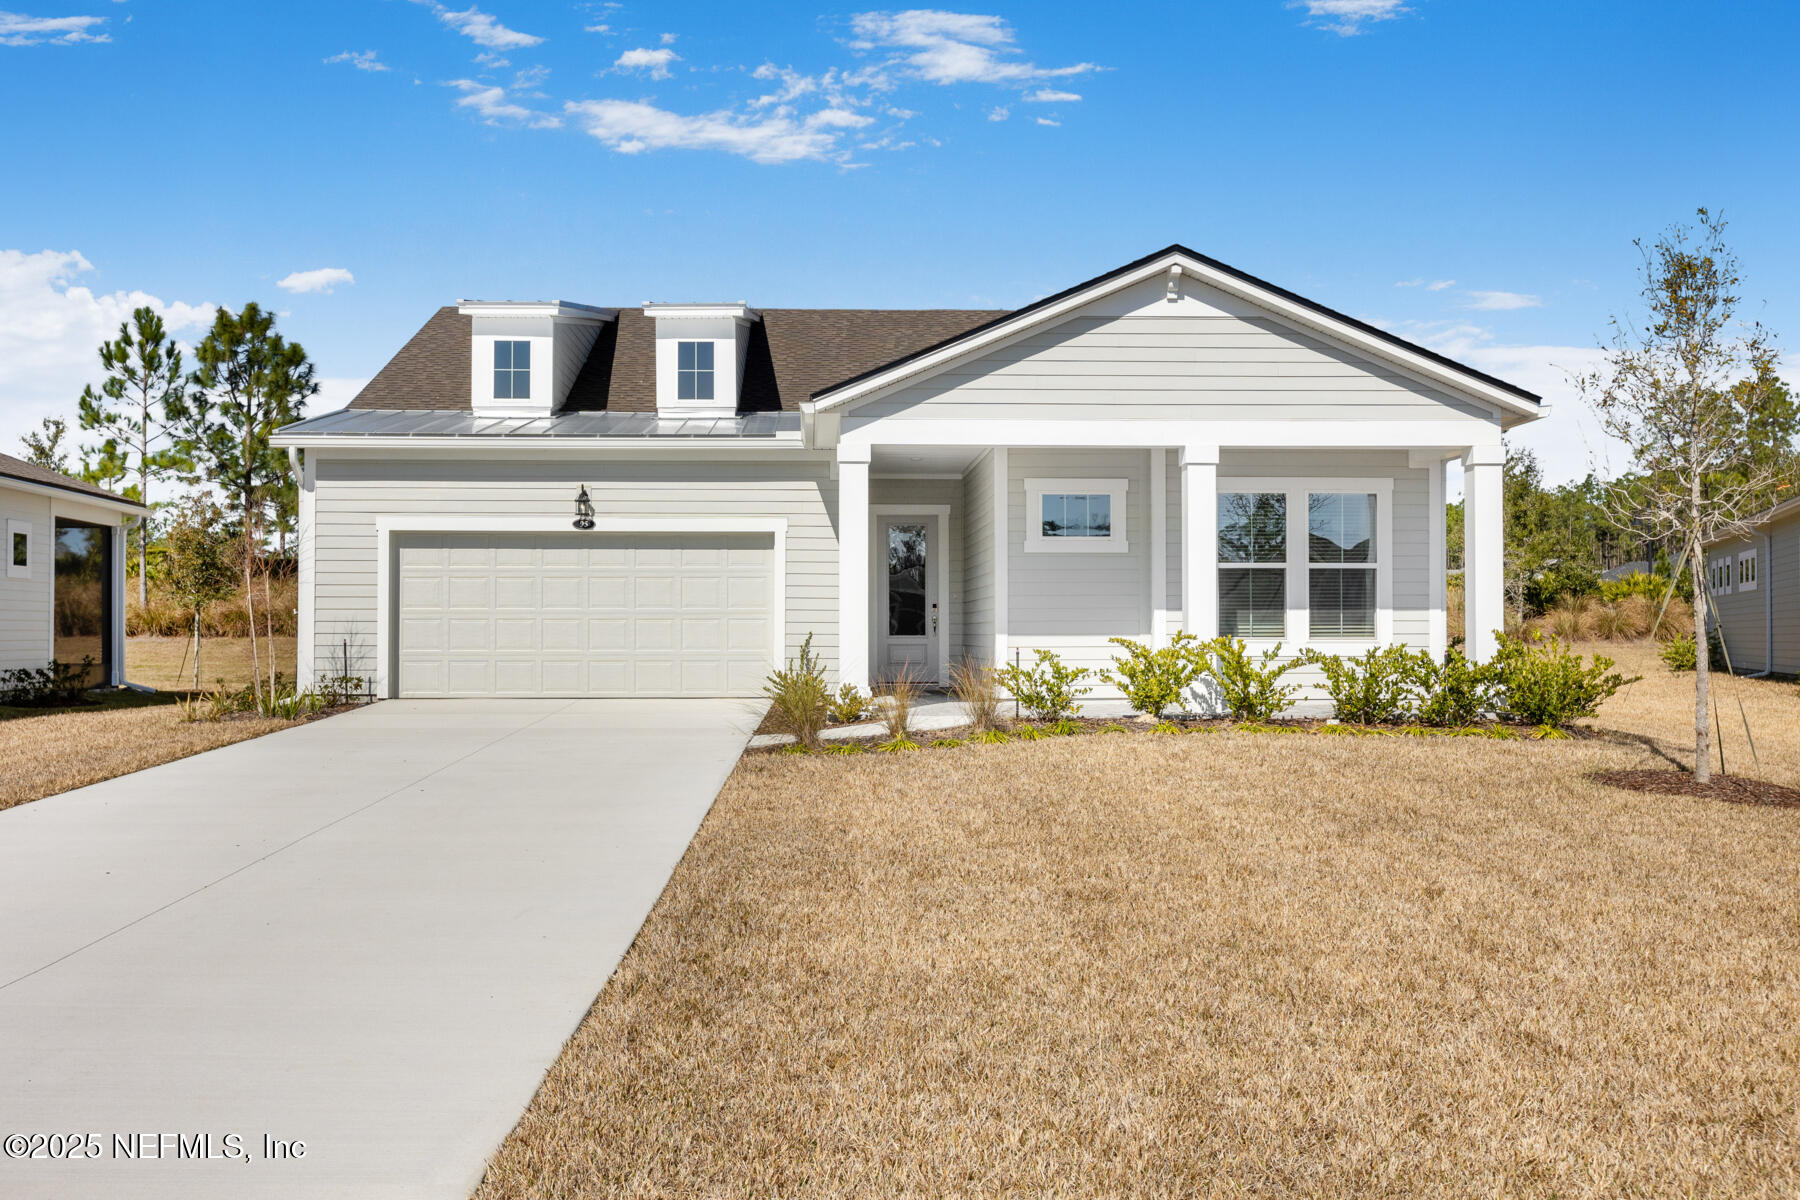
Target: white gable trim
<point>1177,266</point>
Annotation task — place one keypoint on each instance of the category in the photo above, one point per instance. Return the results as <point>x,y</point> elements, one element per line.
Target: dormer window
<point>694,371</point>
<point>512,370</point>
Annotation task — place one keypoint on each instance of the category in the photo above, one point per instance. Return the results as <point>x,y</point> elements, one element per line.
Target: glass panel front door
<point>909,616</point>
<point>83,596</point>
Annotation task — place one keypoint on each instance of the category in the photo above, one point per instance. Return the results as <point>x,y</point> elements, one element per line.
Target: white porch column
<point>307,475</point>
<point>1484,594</point>
<point>1200,540</point>
<point>853,565</point>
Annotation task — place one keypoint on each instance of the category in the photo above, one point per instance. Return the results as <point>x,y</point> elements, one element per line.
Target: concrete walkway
<point>370,934</point>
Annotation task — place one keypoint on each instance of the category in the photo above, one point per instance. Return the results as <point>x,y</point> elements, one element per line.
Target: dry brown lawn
<point>1209,965</point>
<point>167,663</point>
<point>68,748</point>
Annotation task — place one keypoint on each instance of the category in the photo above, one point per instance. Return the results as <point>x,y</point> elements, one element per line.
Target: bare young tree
<point>1679,389</point>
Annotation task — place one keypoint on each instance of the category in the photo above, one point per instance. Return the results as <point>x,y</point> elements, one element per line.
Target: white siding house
<point>907,488</point>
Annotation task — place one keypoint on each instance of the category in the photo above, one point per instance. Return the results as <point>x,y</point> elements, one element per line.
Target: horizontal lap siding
<point>1071,603</point>
<point>352,493</point>
<point>25,603</point>
<point>1745,618</point>
<point>1226,367</point>
<point>1784,584</point>
<point>978,560</point>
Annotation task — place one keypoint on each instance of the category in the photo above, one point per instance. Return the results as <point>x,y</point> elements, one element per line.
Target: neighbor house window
<point>1340,572</point>
<point>1746,575</point>
<point>18,550</point>
<point>1302,560</point>
<point>512,370</point>
<point>694,371</point>
<point>1075,515</point>
<point>1253,564</point>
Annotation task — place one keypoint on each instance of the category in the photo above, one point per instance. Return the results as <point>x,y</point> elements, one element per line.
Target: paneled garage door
<point>582,614</point>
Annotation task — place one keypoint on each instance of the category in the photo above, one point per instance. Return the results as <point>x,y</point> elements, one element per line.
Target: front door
<point>907,617</point>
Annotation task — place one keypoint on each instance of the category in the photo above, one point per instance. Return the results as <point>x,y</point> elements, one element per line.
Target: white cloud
<point>1438,285</point>
<point>1052,96</point>
<point>495,108</point>
<point>50,327</point>
<point>1048,121</point>
<point>1501,301</point>
<point>632,127</point>
<point>362,60</point>
<point>1347,17</point>
<point>597,28</point>
<point>325,279</point>
<point>999,113</point>
<point>1408,282</point>
<point>793,85</point>
<point>668,39</point>
<point>947,47</point>
<point>18,29</point>
<point>655,63</point>
<point>482,28</point>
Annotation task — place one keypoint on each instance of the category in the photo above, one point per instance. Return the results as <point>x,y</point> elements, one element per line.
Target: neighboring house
<point>1172,445</point>
<point>63,596</point>
<point>1755,587</point>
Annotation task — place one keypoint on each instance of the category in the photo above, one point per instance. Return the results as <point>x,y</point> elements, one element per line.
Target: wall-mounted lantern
<point>584,509</point>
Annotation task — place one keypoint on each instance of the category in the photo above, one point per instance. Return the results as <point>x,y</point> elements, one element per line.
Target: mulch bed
<point>1732,789</point>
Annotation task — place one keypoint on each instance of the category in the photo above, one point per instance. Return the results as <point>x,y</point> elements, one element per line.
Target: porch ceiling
<point>923,460</point>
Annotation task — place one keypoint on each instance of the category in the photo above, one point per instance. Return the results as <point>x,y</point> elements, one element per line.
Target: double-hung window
<point>1302,559</point>
<point>694,371</point>
<point>512,370</point>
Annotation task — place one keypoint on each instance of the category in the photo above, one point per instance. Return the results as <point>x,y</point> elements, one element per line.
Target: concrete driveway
<point>370,935</point>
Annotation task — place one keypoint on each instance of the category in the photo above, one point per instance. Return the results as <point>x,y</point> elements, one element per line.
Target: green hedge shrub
<point>1154,680</point>
<point>1374,688</point>
<point>1049,688</point>
<point>1678,653</point>
<point>1546,683</point>
<point>1250,690</point>
<point>1455,692</point>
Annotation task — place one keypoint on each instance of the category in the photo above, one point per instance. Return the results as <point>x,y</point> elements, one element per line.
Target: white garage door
<point>582,614</point>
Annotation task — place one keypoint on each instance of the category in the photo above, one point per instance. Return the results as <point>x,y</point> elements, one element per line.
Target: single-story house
<point>1755,586</point>
<point>548,498</point>
<point>63,596</point>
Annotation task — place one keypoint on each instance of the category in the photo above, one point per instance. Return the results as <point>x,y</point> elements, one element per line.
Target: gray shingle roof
<point>793,352</point>
<point>18,468</point>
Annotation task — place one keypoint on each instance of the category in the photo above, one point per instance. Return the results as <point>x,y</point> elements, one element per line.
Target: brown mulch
<point>1732,789</point>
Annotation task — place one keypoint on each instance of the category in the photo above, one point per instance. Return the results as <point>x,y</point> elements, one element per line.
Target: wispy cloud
<point>1048,121</point>
<point>999,113</point>
<point>481,28</point>
<point>633,127</point>
<point>362,60</point>
<point>1052,96</point>
<point>654,63</point>
<point>1502,301</point>
<point>1348,17</point>
<point>18,29</point>
<point>948,48</point>
<point>1438,285</point>
<point>496,108</point>
<point>325,279</point>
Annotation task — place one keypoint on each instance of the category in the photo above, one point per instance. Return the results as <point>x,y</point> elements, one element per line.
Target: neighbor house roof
<point>793,352</point>
<point>24,472</point>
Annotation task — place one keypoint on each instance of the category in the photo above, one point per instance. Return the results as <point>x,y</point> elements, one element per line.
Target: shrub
<point>1049,687</point>
<point>53,685</point>
<point>1455,692</point>
<point>1548,684</point>
<point>1250,691</point>
<point>848,704</point>
<point>1154,680</point>
<point>799,696</point>
<point>1638,583</point>
<point>975,685</point>
<point>1374,688</point>
<point>1678,653</point>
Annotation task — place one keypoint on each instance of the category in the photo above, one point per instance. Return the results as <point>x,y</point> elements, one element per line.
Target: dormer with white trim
<point>525,355</point>
<point>700,352</point>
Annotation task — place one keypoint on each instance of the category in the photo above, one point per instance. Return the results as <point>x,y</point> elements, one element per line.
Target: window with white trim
<point>512,370</point>
<point>1075,516</point>
<point>18,549</point>
<point>1303,560</point>
<point>1721,576</point>
<point>1746,571</point>
<point>694,371</point>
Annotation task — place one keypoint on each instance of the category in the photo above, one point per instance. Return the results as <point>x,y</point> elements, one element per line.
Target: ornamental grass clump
<point>1251,690</point>
<point>1050,689</point>
<point>1155,680</point>
<point>899,696</point>
<point>976,687</point>
<point>799,696</point>
<point>1373,688</point>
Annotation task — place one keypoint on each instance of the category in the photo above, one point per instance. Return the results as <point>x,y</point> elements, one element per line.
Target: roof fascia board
<point>1289,310</point>
<point>558,310</point>
<point>117,503</point>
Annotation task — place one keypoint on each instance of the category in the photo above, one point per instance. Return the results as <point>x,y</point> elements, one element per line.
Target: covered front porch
<point>1061,538</point>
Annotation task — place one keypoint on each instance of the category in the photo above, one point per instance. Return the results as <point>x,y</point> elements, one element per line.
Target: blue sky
<point>1469,174</point>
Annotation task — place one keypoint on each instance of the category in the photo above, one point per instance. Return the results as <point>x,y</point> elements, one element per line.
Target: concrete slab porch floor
<point>371,934</point>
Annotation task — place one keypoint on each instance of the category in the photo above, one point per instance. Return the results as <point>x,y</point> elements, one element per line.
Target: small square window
<point>694,371</point>
<point>1079,515</point>
<point>512,370</point>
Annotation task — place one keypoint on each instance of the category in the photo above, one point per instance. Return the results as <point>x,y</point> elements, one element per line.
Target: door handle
<point>934,618</point>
